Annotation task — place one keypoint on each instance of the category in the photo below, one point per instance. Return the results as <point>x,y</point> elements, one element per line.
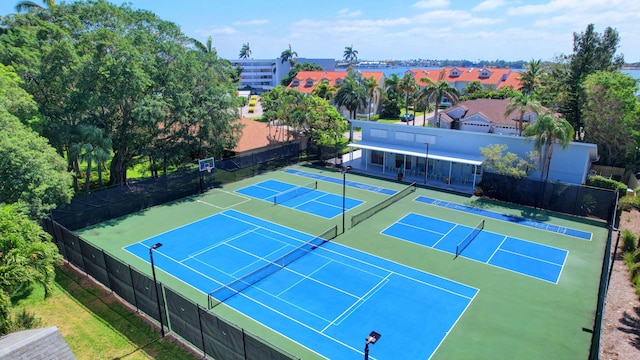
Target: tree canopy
<point>128,73</point>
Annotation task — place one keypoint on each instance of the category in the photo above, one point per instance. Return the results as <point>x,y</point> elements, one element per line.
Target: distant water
<point>400,70</point>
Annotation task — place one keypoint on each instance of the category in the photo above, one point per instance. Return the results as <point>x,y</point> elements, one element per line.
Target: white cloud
<point>348,13</point>
<point>571,6</point>
<point>489,5</point>
<point>225,30</point>
<point>430,4</point>
<point>251,22</point>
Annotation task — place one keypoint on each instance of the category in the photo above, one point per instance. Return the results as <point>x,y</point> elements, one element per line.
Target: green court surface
<point>513,316</point>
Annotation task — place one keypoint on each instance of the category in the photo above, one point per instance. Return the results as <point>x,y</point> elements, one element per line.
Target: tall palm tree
<point>522,103</point>
<point>91,145</point>
<point>434,92</point>
<point>548,130</point>
<point>288,55</point>
<point>350,55</point>
<point>30,6</point>
<point>532,76</point>
<point>372,87</point>
<point>352,95</point>
<point>407,85</point>
<point>245,51</point>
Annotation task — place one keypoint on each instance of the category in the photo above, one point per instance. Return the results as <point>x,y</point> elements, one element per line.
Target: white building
<point>260,75</point>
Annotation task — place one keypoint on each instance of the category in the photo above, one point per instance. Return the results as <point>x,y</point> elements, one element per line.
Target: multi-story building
<point>260,75</point>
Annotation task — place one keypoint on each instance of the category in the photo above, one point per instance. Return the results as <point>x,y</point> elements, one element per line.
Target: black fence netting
<point>288,151</point>
<point>565,198</point>
<point>147,294</point>
<point>185,318</point>
<point>134,196</point>
<point>223,341</point>
<point>216,337</point>
<point>94,263</point>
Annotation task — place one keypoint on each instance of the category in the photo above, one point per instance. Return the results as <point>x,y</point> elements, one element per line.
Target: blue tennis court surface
<point>510,218</point>
<point>352,184</point>
<point>524,257</point>
<point>315,202</point>
<point>327,300</point>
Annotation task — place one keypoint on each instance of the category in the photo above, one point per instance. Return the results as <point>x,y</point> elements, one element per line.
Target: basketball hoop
<point>208,168</point>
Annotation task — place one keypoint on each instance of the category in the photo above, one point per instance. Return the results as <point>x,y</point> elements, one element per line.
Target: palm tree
<point>407,85</point>
<point>434,92</point>
<point>522,103</point>
<point>91,145</point>
<point>30,6</point>
<point>548,130</point>
<point>352,95</point>
<point>288,55</point>
<point>324,90</point>
<point>350,55</point>
<point>245,52</point>
<point>205,48</point>
<point>532,77</point>
<point>372,87</point>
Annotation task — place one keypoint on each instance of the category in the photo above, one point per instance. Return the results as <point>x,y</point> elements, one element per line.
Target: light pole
<point>371,339</point>
<point>155,284</point>
<point>426,164</point>
<point>344,193</point>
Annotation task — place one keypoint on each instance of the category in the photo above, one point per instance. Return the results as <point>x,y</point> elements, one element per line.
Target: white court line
<point>236,236</point>
<point>496,251</point>
<point>359,303</point>
<point>447,234</point>
<point>531,257</point>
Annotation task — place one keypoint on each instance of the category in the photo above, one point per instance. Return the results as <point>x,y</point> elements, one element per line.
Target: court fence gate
<point>213,335</point>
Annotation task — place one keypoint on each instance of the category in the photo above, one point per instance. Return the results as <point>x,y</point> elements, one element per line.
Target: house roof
<point>307,79</point>
<point>257,135</point>
<point>492,109</point>
<point>486,76</point>
<point>512,80</point>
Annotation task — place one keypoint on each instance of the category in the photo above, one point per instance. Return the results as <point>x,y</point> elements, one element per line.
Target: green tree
<point>509,164</point>
<point>472,88</point>
<point>548,130</point>
<point>130,74</point>
<point>92,145</point>
<point>407,85</point>
<point>591,52</point>
<point>32,174</point>
<point>245,51</point>
<point>531,78</point>
<point>297,67</point>
<point>371,85</point>
<point>611,115</point>
<point>30,6</point>
<point>350,55</point>
<point>522,103</point>
<point>324,90</point>
<point>390,107</point>
<point>288,55</point>
<point>435,92</point>
<point>27,257</point>
<point>352,95</point>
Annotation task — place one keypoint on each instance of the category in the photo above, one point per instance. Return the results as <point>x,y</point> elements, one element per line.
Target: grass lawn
<point>95,324</point>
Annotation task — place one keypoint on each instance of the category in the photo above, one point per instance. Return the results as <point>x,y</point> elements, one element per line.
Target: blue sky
<point>398,29</point>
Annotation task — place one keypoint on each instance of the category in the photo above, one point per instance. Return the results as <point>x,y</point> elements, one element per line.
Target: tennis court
<point>584,235</point>
<point>305,198</point>
<point>528,258</point>
<point>324,295</point>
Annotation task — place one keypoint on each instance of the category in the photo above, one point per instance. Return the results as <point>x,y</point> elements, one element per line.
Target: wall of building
<point>570,165</point>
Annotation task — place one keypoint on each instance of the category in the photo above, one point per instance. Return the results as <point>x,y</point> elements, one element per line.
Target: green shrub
<point>605,183</point>
<point>626,203</point>
<point>628,241</point>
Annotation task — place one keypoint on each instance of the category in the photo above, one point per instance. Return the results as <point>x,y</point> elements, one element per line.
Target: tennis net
<point>237,286</point>
<point>294,192</point>
<point>469,238</point>
<point>364,215</point>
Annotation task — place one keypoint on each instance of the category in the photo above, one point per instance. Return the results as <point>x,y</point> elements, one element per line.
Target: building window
<point>295,82</point>
<point>377,157</point>
<point>378,133</point>
<point>309,82</point>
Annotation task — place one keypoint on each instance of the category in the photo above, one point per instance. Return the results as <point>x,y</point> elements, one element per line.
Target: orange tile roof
<point>307,79</point>
<point>257,135</point>
<point>513,81</point>
<point>453,75</point>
